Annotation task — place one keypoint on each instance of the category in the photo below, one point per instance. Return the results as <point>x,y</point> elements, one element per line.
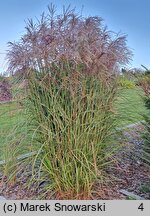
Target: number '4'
<point>141,207</point>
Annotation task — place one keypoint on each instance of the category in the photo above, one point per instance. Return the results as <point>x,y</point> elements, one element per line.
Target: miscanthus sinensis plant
<point>69,63</point>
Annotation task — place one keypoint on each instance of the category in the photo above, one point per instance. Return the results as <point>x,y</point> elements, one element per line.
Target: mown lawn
<point>129,108</point>
<point>10,116</point>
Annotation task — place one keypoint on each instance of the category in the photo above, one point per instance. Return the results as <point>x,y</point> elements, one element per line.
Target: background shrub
<point>144,82</point>
<point>126,83</point>
<point>5,89</point>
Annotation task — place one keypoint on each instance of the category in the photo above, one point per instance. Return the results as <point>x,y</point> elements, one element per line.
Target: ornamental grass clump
<point>69,64</point>
<point>72,122</point>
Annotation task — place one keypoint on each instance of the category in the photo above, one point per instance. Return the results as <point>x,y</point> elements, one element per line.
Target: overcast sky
<point>131,17</point>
